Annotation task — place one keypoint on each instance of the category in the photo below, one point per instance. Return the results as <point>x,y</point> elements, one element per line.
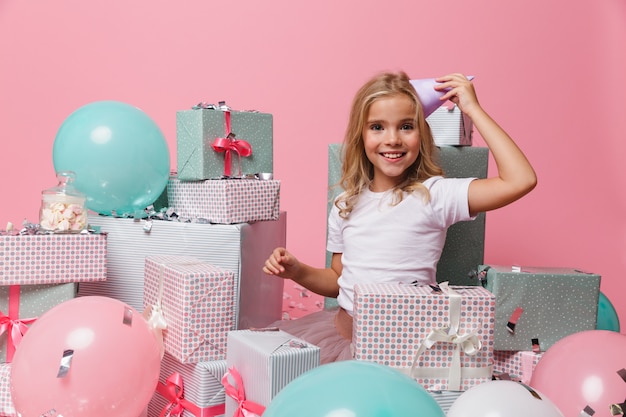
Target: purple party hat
<point>428,95</point>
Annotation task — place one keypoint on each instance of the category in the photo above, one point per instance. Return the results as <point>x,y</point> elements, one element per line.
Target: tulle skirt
<point>321,329</point>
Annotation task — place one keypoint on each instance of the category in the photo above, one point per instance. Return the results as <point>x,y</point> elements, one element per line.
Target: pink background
<point>551,73</point>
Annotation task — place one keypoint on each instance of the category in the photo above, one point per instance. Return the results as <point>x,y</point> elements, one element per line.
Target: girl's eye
<point>407,126</point>
<point>375,126</point>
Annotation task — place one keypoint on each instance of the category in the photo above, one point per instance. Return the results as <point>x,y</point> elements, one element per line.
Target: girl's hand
<point>459,90</point>
<point>282,264</point>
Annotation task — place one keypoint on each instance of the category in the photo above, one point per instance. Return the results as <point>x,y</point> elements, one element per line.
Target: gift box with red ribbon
<point>517,365</point>
<point>189,390</point>
<point>195,300</point>
<point>6,403</point>
<point>225,201</point>
<point>440,335</point>
<point>21,305</point>
<point>215,141</point>
<point>260,364</point>
<point>29,259</point>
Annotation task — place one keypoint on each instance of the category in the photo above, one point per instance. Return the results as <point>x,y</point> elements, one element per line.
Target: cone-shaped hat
<point>428,95</point>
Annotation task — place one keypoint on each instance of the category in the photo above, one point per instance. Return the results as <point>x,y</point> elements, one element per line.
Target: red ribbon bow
<point>245,407</point>
<point>12,324</point>
<point>230,144</point>
<point>172,390</point>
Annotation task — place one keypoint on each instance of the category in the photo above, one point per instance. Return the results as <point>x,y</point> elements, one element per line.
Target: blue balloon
<point>607,316</point>
<point>354,389</point>
<point>119,154</point>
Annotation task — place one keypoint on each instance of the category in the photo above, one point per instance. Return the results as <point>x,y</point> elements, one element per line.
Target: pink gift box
<point>6,403</point>
<point>444,340</point>
<point>196,300</point>
<point>225,201</point>
<point>519,365</point>
<point>52,258</point>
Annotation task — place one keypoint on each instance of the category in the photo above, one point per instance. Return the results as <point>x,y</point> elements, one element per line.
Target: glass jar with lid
<point>63,207</point>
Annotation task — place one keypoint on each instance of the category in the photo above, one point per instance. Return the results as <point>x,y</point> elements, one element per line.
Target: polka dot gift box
<point>536,307</point>
<point>195,299</point>
<point>213,141</point>
<point>518,365</point>
<point>6,403</point>
<point>52,258</point>
<point>442,336</point>
<point>225,201</point>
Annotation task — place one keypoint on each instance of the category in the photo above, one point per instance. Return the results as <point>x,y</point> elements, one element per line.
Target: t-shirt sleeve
<point>449,199</point>
<point>334,241</point>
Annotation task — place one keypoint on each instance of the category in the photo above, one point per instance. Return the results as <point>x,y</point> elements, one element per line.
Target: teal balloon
<point>353,389</point>
<point>607,316</point>
<point>119,154</point>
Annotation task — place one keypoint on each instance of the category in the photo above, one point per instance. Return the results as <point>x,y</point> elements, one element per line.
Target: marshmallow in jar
<point>63,207</point>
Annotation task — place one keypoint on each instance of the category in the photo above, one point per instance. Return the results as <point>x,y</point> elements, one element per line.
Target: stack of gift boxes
<point>37,272</point>
<point>194,267</point>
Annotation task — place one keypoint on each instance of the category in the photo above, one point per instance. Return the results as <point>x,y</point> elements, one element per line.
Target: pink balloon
<point>581,370</point>
<point>113,369</point>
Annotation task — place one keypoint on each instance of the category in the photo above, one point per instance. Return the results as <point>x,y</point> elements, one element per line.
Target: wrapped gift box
<point>196,301</point>
<point>450,126</point>
<point>518,365</point>
<point>267,361</point>
<point>197,130</point>
<point>6,403</point>
<point>241,248</point>
<point>536,307</point>
<point>26,303</point>
<point>445,399</point>
<point>202,387</point>
<point>395,324</point>
<point>52,258</point>
<point>225,201</point>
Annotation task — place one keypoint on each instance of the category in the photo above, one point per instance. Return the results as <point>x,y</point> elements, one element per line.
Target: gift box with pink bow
<point>261,363</point>
<point>226,201</point>
<point>440,335</point>
<point>189,390</point>
<point>21,306</point>
<point>215,141</point>
<point>193,301</point>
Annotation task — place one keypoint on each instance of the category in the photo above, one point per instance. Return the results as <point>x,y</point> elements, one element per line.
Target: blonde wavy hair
<point>357,171</point>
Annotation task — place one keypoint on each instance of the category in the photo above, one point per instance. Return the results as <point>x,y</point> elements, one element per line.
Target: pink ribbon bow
<point>172,390</point>
<point>245,408</point>
<point>12,324</point>
<point>230,144</point>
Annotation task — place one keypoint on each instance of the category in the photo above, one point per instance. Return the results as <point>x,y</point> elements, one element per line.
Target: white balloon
<point>503,399</point>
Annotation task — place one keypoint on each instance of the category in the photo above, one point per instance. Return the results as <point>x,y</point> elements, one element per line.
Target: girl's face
<point>391,140</point>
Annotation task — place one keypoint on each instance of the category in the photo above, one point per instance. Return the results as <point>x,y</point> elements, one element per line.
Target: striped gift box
<point>267,361</point>
<point>225,201</point>
<point>450,127</point>
<point>241,248</point>
<point>202,386</point>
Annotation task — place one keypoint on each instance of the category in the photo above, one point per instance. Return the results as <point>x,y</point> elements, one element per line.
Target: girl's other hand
<point>458,89</point>
<point>282,264</point>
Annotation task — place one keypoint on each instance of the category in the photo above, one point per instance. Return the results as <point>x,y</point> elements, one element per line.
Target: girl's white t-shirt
<point>380,242</point>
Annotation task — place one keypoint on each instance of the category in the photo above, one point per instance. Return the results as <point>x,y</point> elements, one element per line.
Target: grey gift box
<point>196,129</point>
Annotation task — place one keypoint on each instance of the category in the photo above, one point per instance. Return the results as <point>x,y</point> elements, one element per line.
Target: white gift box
<point>241,248</point>
<point>202,387</point>
<point>450,126</point>
<point>267,361</point>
